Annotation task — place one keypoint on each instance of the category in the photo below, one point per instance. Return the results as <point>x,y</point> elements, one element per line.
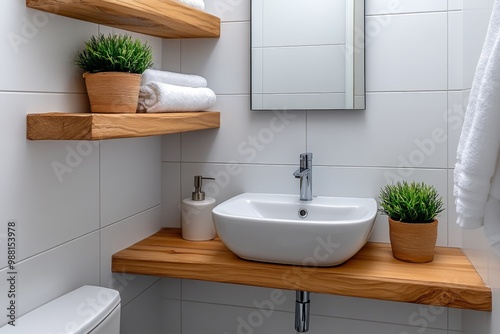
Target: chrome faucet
<point>304,173</point>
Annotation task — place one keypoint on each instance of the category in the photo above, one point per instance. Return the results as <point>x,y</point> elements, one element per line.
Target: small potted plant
<point>113,66</point>
<point>412,209</point>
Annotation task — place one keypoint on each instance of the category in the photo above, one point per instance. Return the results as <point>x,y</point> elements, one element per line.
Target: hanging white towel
<point>173,78</point>
<point>160,97</point>
<point>477,173</point>
<point>198,4</point>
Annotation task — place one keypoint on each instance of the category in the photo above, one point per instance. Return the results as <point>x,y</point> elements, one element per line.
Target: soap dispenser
<point>197,223</point>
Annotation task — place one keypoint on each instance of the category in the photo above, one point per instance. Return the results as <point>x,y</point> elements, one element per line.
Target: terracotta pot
<point>413,242</point>
<point>113,92</point>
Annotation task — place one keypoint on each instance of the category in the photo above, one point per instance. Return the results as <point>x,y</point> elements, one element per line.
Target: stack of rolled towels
<point>164,91</point>
<point>198,4</point>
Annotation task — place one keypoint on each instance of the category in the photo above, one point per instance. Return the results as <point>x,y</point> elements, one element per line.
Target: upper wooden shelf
<point>83,126</point>
<point>450,280</point>
<point>160,18</point>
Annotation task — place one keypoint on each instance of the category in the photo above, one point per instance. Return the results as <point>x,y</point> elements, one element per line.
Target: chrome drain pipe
<point>302,311</point>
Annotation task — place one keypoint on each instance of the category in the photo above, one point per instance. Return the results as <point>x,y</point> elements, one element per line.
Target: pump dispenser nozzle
<point>198,194</point>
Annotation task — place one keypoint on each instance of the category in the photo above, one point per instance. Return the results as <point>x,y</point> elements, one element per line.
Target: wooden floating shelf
<point>450,280</point>
<point>83,126</point>
<point>160,18</point>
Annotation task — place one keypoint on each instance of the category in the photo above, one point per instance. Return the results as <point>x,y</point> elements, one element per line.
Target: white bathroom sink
<point>280,228</point>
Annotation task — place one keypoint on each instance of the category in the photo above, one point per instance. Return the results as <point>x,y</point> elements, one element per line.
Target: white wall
<point>408,131</point>
<point>107,197</point>
<point>487,263</point>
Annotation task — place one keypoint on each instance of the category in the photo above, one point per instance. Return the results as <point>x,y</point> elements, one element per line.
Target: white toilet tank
<point>87,310</point>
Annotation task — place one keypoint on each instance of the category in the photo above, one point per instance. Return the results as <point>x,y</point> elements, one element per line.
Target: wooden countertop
<point>450,280</point>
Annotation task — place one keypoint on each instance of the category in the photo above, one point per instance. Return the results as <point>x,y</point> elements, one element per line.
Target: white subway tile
<point>380,7</point>
<point>171,316</point>
<point>406,52</point>
<point>171,52</point>
<point>455,50</point>
<point>237,295</point>
<point>234,179</point>
<point>248,137</point>
<point>455,4</point>
<point>171,194</point>
<point>49,187</point>
<point>455,118</point>
<point>380,311</point>
<point>454,320</point>
<point>217,319</point>
<point>171,288</point>
<point>130,177</point>
<point>477,322</point>
<point>38,49</point>
<point>171,147</point>
<point>396,129</point>
<point>119,236</point>
<point>53,273</point>
<point>143,314</point>
<point>223,62</point>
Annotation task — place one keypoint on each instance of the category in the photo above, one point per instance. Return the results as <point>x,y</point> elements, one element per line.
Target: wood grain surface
<point>160,18</point>
<point>450,280</point>
<point>86,126</point>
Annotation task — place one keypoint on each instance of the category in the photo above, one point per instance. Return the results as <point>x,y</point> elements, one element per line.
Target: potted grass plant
<point>411,209</point>
<point>113,65</point>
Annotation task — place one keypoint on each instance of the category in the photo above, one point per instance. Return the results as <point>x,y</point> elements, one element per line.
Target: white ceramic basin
<point>268,228</point>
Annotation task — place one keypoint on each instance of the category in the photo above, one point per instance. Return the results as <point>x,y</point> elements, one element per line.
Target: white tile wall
<point>39,50</point>
<point>455,4</point>
<point>396,130</point>
<point>51,188</point>
<point>219,60</point>
<point>53,273</point>
<point>410,129</point>
<point>130,231</point>
<point>406,52</point>
<point>171,194</point>
<point>380,7</point>
<point>141,316</point>
<point>455,50</point>
<point>130,177</point>
<point>253,137</point>
<point>62,192</point>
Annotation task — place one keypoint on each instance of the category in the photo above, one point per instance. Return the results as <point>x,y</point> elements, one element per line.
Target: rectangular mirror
<point>307,54</point>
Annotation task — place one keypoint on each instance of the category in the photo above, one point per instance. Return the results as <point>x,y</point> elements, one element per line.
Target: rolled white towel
<point>161,97</point>
<point>173,78</point>
<point>198,4</point>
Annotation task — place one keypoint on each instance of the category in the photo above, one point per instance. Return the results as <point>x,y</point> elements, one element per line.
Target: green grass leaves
<point>114,53</point>
<point>410,202</point>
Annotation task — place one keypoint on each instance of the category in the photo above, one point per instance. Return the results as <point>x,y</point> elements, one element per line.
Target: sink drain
<point>303,213</point>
